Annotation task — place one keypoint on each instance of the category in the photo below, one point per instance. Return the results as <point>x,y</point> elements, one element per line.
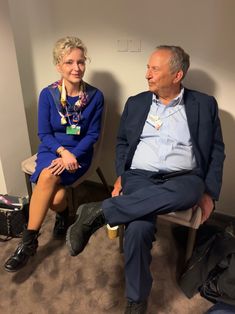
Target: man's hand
<point>117,187</point>
<point>207,205</point>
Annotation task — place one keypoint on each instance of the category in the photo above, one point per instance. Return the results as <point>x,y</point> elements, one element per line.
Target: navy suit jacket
<point>204,126</point>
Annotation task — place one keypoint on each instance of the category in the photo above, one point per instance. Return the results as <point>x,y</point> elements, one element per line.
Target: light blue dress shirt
<point>165,143</point>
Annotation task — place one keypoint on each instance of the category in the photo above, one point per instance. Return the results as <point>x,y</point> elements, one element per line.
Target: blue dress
<point>52,133</point>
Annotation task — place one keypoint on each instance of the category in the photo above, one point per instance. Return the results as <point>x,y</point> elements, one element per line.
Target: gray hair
<point>180,60</point>
<point>65,45</point>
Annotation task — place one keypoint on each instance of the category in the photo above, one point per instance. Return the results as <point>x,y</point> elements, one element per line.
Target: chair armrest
<point>189,218</point>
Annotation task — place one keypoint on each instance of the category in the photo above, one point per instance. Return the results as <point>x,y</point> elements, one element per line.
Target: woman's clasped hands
<point>67,161</point>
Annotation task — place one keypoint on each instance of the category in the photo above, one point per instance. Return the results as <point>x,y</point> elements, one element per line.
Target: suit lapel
<point>191,109</point>
<point>192,112</point>
<point>138,121</point>
<point>143,111</point>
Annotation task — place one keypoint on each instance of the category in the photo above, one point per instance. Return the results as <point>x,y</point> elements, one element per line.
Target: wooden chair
<point>190,218</point>
<point>29,164</point>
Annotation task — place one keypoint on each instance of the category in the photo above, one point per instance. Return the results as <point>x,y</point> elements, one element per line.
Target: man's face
<point>159,76</point>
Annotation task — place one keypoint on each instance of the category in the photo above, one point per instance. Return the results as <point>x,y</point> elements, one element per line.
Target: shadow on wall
<point>228,195</point>
<point>107,83</point>
<point>24,54</point>
<point>200,80</point>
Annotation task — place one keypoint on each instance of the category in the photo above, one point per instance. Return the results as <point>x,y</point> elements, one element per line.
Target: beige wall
<point>14,141</point>
<point>204,28</point>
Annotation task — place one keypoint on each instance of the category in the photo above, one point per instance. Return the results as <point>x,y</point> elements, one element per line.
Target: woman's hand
<point>117,187</point>
<point>69,160</point>
<point>57,166</point>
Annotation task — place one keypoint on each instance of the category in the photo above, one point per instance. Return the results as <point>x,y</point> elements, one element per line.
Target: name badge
<point>155,121</point>
<point>73,130</point>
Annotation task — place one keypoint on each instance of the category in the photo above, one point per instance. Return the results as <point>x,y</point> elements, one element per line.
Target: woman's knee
<point>46,177</point>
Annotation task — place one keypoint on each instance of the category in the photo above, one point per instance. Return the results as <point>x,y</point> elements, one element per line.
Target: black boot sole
<point>18,268</point>
<point>90,219</point>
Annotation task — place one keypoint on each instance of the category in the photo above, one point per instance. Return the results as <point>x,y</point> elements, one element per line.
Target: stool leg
<point>190,243</point>
<point>28,185</point>
<point>70,197</point>
<point>121,236</point>
<point>102,178</point>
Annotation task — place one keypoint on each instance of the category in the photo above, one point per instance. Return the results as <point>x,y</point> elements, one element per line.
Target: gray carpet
<point>56,283</point>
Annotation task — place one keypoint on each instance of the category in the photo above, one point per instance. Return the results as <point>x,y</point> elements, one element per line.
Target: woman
<point>69,121</point>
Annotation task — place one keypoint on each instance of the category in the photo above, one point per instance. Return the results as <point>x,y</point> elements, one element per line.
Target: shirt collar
<point>176,101</point>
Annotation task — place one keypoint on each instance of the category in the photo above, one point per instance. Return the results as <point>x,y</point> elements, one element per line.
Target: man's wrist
<point>213,201</point>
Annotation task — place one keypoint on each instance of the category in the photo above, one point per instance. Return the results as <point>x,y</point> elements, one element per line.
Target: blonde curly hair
<point>65,45</point>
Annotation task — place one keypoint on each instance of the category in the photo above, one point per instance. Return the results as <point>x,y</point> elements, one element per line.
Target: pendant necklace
<point>63,120</point>
<point>79,104</point>
<point>78,117</point>
<point>156,120</point>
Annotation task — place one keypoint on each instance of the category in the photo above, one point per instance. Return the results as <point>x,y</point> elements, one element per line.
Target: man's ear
<point>178,76</point>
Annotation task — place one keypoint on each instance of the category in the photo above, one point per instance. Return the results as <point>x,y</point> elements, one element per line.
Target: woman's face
<point>72,66</point>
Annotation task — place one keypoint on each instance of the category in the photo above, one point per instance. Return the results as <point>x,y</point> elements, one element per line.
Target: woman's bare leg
<point>59,205</point>
<point>42,197</point>
<point>47,191</point>
<point>59,202</point>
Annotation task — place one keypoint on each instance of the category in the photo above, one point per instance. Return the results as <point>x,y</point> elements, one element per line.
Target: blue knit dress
<point>52,133</point>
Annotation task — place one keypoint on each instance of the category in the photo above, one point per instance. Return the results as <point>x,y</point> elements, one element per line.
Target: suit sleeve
<point>214,174</point>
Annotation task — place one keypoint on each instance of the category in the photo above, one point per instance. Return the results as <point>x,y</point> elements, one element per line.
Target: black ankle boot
<point>25,249</point>
<point>90,218</point>
<point>136,308</point>
<point>61,224</point>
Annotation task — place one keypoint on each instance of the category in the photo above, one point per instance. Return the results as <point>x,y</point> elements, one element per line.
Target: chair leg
<point>121,236</point>
<point>28,185</point>
<point>190,243</point>
<point>102,178</point>
<point>70,197</point>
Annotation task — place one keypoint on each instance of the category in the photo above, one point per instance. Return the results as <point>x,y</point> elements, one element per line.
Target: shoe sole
<point>15,270</point>
<point>71,251</point>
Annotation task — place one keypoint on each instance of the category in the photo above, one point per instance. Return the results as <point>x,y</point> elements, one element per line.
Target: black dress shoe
<point>90,218</point>
<point>25,249</point>
<point>61,224</point>
<point>136,308</point>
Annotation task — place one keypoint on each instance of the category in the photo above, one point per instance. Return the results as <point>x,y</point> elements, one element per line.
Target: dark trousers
<point>221,308</point>
<point>145,195</point>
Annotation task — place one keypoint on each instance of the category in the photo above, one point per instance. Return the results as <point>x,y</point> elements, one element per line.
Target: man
<point>169,157</point>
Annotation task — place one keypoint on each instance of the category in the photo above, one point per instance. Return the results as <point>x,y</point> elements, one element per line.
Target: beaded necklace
<point>71,113</point>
